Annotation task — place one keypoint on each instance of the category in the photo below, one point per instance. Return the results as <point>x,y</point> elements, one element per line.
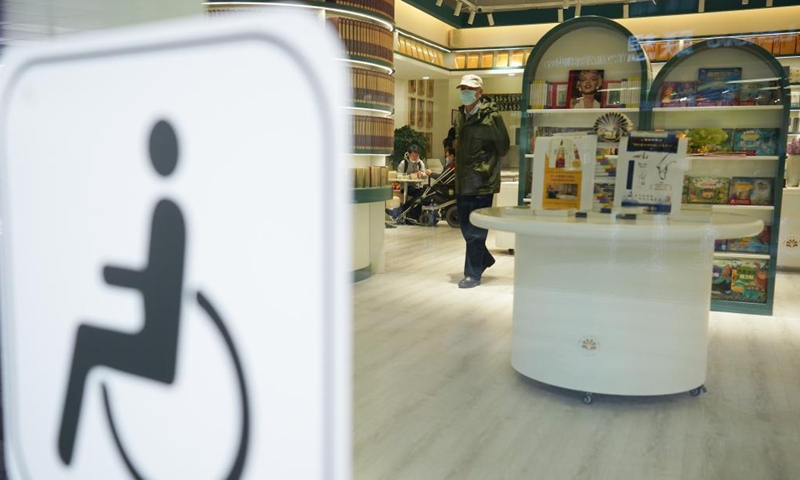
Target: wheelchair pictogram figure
<point>152,352</point>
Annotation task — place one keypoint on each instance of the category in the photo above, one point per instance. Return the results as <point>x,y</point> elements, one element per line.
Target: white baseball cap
<point>471,81</point>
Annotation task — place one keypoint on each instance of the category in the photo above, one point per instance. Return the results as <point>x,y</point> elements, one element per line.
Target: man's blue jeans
<point>478,257</point>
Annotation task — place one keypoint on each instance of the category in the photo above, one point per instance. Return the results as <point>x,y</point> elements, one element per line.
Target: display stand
<point>613,306</point>
<point>585,43</point>
<point>716,85</point>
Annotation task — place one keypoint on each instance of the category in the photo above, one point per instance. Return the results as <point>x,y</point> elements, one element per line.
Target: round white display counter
<point>612,306</point>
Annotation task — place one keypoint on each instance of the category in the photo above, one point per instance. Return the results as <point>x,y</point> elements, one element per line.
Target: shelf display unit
<point>366,28</point>
<point>737,148</point>
<point>584,43</point>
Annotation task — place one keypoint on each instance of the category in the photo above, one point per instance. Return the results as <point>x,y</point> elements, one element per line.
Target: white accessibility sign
<point>175,266</point>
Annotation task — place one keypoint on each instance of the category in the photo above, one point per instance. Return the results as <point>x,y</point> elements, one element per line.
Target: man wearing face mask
<point>481,141</point>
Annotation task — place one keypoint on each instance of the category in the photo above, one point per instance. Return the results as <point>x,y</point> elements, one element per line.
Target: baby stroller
<point>437,200</point>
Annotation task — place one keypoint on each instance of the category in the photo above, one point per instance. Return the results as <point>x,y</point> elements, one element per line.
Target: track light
<point>560,16</point>
<point>625,11</point>
<point>565,5</point>
<point>457,11</point>
<point>701,6</point>
<point>745,2</point>
<point>578,9</point>
<point>439,3</point>
<point>769,3</point>
<point>471,17</point>
<point>490,17</point>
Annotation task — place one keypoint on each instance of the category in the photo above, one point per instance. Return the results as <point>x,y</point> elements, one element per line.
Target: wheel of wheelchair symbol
<point>238,464</point>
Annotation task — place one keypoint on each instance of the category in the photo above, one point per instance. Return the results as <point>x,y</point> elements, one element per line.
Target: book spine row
<point>365,40</point>
<point>372,87</point>
<point>539,96</point>
<point>663,50</point>
<point>370,177</point>
<point>631,92</point>
<point>373,134</point>
<point>383,7</point>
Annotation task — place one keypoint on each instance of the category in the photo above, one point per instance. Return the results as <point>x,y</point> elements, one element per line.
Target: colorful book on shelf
<point>759,93</point>
<point>678,94</point>
<point>750,191</point>
<point>756,141</point>
<point>718,86</point>
<point>740,280</point>
<point>755,244</point>
<point>709,140</point>
<point>603,196</point>
<point>713,190</point>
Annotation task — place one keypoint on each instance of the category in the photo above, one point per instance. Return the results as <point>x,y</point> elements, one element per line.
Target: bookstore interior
<point>646,136</point>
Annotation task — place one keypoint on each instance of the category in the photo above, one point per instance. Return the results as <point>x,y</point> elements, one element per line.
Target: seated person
<point>413,167</point>
<point>449,163</point>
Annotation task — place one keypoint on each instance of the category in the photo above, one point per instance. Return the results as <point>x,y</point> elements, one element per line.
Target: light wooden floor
<point>435,395</point>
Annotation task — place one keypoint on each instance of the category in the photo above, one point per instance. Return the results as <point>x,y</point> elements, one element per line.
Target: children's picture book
<point>756,141</point>
<point>721,278</point>
<point>584,88</point>
<point>563,172</point>
<point>748,281</point>
<point>650,172</point>
<point>707,190</point>
<point>707,140</point>
<point>759,93</point>
<point>755,244</point>
<point>678,94</point>
<point>718,86</point>
<point>750,191</point>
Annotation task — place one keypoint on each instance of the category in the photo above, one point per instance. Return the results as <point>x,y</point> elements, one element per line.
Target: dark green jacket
<point>482,140</point>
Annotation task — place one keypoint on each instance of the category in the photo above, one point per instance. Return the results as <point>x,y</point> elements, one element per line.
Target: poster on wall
<point>650,172</point>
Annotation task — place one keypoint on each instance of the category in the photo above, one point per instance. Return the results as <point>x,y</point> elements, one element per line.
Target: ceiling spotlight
<point>490,17</point>
<point>578,9</point>
<point>565,5</point>
<point>769,3</point>
<point>439,3</point>
<point>471,17</point>
<point>625,11</point>
<point>745,2</point>
<point>457,11</point>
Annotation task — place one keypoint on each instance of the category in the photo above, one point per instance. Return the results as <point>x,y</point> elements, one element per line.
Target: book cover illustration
<point>678,94</point>
<point>759,93</point>
<point>712,190</point>
<point>756,141</point>
<point>650,172</point>
<point>558,94</point>
<point>584,88</point>
<point>721,278</point>
<point>707,140</point>
<point>755,244</point>
<point>750,191</point>
<point>718,86</point>
<point>748,281</point>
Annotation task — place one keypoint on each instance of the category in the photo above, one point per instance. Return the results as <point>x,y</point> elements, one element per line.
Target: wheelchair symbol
<point>152,352</point>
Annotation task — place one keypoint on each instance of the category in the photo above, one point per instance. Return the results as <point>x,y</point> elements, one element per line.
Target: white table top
<point>647,227</point>
<point>409,180</point>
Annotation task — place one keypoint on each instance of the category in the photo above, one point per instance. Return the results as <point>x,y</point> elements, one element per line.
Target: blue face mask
<point>468,97</point>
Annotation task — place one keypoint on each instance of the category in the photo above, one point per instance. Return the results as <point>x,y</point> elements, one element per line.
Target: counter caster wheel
<point>695,392</point>
<point>588,398</point>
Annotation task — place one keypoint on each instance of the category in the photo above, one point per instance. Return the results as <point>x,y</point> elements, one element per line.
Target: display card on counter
<point>650,172</point>
<point>563,173</point>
